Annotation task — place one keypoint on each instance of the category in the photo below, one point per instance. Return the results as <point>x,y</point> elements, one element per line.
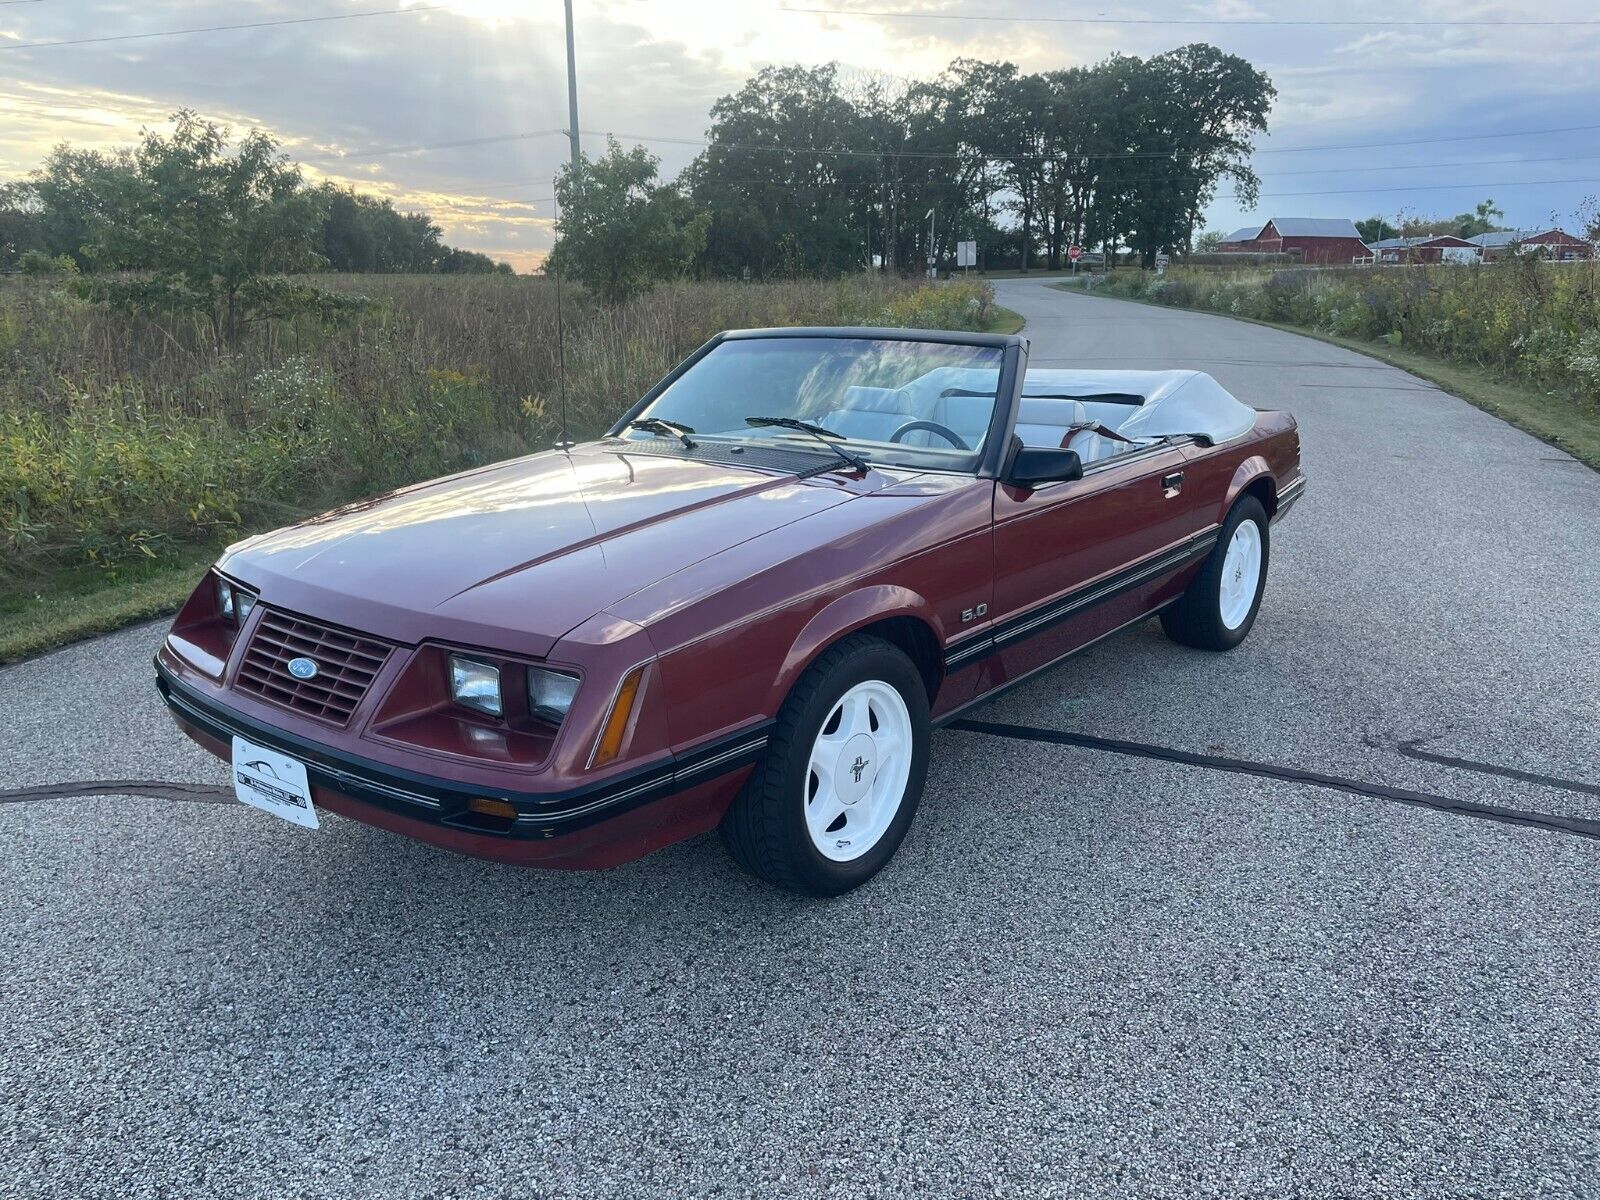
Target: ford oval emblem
<point>302,668</point>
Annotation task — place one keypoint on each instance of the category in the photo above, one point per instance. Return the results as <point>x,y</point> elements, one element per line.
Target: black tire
<point>765,828</point>
<point>1196,618</point>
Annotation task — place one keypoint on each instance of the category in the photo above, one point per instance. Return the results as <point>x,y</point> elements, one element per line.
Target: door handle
<point>1172,484</point>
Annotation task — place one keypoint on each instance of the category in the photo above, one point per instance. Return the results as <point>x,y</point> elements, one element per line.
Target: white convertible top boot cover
<point>1149,404</point>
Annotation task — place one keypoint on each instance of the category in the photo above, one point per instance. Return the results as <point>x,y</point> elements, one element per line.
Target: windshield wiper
<point>827,437</point>
<point>669,428</point>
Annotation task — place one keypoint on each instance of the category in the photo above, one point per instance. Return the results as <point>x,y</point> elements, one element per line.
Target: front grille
<point>347,663</point>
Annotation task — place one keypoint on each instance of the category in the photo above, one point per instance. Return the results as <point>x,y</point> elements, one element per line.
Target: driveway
<point>1320,916</point>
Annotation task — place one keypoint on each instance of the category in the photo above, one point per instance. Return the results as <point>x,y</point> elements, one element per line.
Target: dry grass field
<point>132,446</point>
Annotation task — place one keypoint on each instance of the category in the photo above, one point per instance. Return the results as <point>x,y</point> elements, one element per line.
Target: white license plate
<point>272,782</point>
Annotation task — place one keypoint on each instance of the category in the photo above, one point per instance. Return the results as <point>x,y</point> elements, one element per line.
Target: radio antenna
<point>561,336</point>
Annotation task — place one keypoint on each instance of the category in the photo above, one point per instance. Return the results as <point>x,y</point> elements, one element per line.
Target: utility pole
<point>572,90</point>
<point>893,234</point>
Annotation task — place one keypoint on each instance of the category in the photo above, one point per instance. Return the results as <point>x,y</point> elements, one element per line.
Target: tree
<point>620,231</point>
<point>805,174</point>
<point>216,229</point>
<point>22,228</point>
<point>1587,220</point>
<point>364,233</point>
<point>787,178</point>
<point>1480,220</point>
<point>1208,241</point>
<point>974,113</point>
<point>86,204</point>
<point>1188,119</point>
<point>1028,135</point>
<point>73,192</point>
<point>1375,229</point>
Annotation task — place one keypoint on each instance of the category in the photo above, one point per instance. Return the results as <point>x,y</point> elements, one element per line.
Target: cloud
<point>490,67</point>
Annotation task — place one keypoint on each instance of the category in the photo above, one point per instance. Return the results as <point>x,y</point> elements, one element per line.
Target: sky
<point>1412,117</point>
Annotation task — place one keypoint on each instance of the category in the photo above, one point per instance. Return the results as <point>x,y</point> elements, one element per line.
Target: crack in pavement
<point>197,793</point>
<point>1580,826</point>
<point>1410,750</point>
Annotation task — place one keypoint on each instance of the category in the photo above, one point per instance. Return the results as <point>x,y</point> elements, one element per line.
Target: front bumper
<point>676,789</point>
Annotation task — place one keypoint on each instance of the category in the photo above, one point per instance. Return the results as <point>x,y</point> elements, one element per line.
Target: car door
<point>1079,559</point>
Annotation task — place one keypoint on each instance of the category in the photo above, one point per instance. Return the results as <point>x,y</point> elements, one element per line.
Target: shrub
<point>37,263</point>
<point>1539,321</point>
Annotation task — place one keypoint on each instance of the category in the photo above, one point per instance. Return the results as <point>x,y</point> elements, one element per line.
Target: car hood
<point>512,556</point>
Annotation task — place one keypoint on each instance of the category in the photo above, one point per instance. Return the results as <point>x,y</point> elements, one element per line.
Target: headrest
<point>1051,410</point>
<point>862,398</point>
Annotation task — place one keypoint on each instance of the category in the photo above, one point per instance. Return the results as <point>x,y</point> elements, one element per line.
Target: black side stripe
<point>1038,620</point>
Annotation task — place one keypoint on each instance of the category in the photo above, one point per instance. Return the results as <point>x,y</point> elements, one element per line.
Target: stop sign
<point>1074,252</point>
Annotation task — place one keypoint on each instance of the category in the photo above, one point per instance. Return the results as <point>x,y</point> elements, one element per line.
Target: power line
<point>667,139</point>
<point>384,151</point>
<point>1429,141</point>
<point>1436,187</point>
<point>1421,166</point>
<point>476,189</point>
<point>134,37</point>
<point>1380,22</point>
<point>1460,162</point>
<point>1170,153</point>
<point>1115,182</point>
<point>1425,187</point>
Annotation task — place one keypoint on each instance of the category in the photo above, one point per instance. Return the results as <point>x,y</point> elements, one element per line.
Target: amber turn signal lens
<point>616,727</point>
<point>492,808</point>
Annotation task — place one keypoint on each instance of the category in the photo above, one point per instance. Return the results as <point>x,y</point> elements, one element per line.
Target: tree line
<point>806,173</point>
<point>89,210</point>
<point>1481,219</point>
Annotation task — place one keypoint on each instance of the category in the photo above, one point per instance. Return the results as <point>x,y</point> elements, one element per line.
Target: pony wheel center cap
<point>856,769</point>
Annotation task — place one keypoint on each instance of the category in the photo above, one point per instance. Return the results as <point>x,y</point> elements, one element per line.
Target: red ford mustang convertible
<point>747,606</point>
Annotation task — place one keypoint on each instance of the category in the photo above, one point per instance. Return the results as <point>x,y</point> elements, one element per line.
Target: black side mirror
<point>1033,465</point>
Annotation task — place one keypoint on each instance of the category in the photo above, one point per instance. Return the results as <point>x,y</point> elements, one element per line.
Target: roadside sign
<point>1161,263</point>
<point>966,254</point>
<point>1074,252</point>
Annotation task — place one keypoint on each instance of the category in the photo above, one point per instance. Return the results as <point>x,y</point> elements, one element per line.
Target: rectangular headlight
<point>475,684</point>
<point>234,603</point>
<point>550,693</point>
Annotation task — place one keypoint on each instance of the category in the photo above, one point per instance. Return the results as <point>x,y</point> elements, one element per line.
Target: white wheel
<point>857,772</point>
<point>1241,574</point>
<point>1218,608</point>
<point>831,800</point>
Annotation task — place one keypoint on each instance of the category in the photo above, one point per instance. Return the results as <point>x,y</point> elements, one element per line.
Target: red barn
<point>1440,248</point>
<point>1329,241</point>
<point>1556,243</point>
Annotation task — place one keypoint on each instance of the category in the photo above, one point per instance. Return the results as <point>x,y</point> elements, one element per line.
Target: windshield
<point>905,403</point>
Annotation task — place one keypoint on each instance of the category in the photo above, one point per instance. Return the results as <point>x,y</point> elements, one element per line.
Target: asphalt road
<point>1089,972</point>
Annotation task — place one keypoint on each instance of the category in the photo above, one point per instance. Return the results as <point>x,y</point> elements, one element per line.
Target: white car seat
<point>1051,421</point>
<point>874,414</point>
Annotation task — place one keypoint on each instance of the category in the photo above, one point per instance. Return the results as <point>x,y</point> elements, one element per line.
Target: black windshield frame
<point>1013,366</point>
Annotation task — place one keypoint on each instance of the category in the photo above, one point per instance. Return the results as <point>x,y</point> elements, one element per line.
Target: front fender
<point>843,616</point>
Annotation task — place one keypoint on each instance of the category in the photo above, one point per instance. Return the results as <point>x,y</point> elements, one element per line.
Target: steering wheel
<point>948,435</point>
